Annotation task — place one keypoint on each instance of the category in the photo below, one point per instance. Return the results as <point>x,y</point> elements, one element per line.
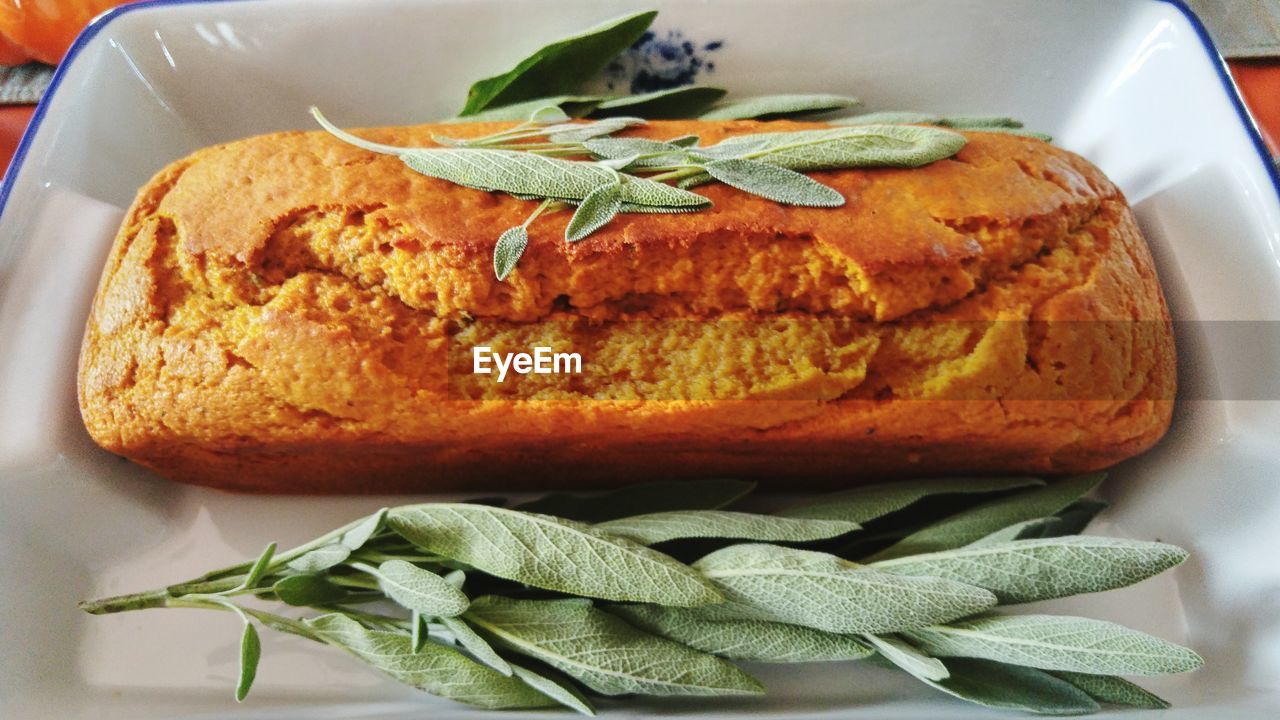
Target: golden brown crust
<point>287,313</point>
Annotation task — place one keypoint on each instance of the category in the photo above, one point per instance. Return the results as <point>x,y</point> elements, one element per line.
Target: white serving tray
<point>1131,84</point>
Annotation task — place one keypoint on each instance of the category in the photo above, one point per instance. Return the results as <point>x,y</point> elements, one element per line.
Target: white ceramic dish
<point>1131,84</point>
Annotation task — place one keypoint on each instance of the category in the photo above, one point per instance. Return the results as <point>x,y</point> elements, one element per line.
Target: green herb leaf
<point>562,691</point>
<point>511,171</point>
<point>599,207</point>
<point>1030,570</point>
<point>308,589</point>
<point>771,107</point>
<point>868,502</point>
<point>479,648</point>
<point>321,558</point>
<point>250,654</point>
<point>435,668</point>
<point>905,146</point>
<point>680,102</point>
<point>581,132</point>
<point>817,590</point>
<point>975,122</point>
<point>662,153</point>
<point>641,499</point>
<point>417,635</point>
<point>604,652</point>
<point>570,106</point>
<point>774,183</point>
<point>356,537</point>
<point>749,640</point>
<point>662,197</point>
<point>560,67</point>
<point>663,526</point>
<point>1009,687</point>
<point>1051,642</point>
<point>417,589</point>
<point>1113,690</point>
<point>259,568</point>
<point>1014,131</point>
<point>551,553</point>
<point>972,524</point>
<point>508,250</point>
<point>891,117</point>
<point>907,657</point>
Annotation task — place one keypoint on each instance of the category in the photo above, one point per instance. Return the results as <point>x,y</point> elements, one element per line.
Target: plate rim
<point>99,23</point>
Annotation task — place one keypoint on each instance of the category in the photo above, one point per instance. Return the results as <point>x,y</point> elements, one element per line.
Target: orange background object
<point>46,28</point>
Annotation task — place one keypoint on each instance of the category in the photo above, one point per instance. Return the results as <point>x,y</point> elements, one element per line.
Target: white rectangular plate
<point>1130,84</point>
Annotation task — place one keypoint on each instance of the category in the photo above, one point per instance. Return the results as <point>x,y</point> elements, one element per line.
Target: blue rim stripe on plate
<point>19,156</point>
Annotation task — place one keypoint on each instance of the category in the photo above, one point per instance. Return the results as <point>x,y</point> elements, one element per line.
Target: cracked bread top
<point>905,240</point>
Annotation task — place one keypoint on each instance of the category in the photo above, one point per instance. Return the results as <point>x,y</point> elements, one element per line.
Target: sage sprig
<point>568,164</point>
<point>504,607</point>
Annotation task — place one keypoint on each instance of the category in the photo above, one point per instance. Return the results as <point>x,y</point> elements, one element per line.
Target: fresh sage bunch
<point>657,590</point>
<point>580,165</point>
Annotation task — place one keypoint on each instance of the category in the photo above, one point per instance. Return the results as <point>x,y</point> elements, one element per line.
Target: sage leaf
<point>1071,521</point>
<point>774,183</point>
<point>970,525</point>
<point>561,691</point>
<point>891,117</point>
<point>907,657</point>
<point>570,106</point>
<point>685,141</point>
<point>417,589</point>
<point>1023,571</point>
<point>308,589</point>
<point>508,250</point>
<point>771,107</point>
<point>250,654</point>
<point>479,648</point>
<point>802,587</point>
<point>661,196</point>
<point>641,499</point>
<point>906,146</point>
<point>1013,131</point>
<point>456,578</point>
<point>619,163</point>
<point>868,502</point>
<point>652,152</point>
<point>1113,690</point>
<point>604,652</point>
<point>437,669</point>
<point>974,122</point>
<point>321,558</point>
<point>597,209</point>
<point>559,67</point>
<point>581,132</point>
<point>659,527</point>
<point>417,634</point>
<point>551,553</point>
<point>356,537</point>
<point>680,102</point>
<point>511,171</point>
<point>259,568</point>
<point>1051,642</point>
<point>749,640</point>
<point>1017,531</point>
<point>1009,687</point>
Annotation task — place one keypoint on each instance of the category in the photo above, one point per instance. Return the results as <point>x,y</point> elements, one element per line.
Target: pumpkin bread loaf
<point>289,313</point>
